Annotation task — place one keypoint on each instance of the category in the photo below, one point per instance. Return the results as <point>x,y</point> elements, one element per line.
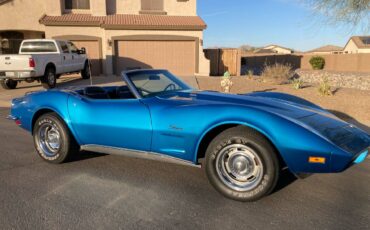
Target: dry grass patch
<point>277,73</point>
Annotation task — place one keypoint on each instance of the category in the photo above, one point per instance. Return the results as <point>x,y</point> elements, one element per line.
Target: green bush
<point>317,62</point>
<point>297,83</point>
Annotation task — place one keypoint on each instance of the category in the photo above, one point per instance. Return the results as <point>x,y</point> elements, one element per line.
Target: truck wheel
<point>85,73</point>
<point>241,164</point>
<point>9,84</point>
<point>53,140</point>
<point>49,80</point>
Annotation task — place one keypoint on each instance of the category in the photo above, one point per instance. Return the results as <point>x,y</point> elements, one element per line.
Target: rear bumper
<point>11,117</point>
<point>17,75</point>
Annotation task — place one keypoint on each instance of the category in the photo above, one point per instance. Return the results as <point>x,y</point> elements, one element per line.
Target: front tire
<point>49,80</point>
<point>241,164</point>
<point>85,73</point>
<point>9,84</point>
<point>52,139</point>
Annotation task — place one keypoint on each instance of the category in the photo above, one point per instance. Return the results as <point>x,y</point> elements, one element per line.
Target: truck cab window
<point>72,47</point>
<point>64,47</point>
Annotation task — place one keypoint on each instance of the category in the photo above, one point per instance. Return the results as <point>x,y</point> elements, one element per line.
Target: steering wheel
<point>170,87</point>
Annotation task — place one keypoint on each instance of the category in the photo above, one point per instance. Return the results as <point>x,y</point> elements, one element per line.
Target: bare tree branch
<point>352,12</point>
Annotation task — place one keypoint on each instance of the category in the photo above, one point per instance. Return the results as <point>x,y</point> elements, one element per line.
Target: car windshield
<point>156,82</point>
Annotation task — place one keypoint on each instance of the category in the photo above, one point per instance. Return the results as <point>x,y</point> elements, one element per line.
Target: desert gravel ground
<point>350,104</point>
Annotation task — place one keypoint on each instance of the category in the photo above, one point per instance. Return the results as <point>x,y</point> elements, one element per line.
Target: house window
<point>77,4</point>
<point>10,41</point>
<point>151,5</point>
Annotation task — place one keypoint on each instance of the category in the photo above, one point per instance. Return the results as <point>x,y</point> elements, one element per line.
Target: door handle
<point>64,57</point>
<point>73,57</point>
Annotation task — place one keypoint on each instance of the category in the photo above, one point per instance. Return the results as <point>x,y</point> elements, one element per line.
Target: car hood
<point>309,116</point>
<point>263,101</point>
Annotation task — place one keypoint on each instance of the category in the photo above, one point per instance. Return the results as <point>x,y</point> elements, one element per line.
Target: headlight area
<point>340,163</point>
<point>361,157</point>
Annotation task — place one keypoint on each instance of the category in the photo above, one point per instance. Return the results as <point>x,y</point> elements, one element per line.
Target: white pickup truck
<point>43,60</point>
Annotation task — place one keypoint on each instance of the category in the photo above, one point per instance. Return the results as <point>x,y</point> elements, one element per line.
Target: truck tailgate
<point>15,62</point>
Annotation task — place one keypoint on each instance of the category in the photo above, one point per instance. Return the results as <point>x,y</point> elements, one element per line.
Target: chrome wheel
<point>239,167</point>
<point>49,139</point>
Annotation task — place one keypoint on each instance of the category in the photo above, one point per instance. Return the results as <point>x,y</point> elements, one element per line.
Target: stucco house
<point>270,49</point>
<point>118,34</point>
<point>358,44</point>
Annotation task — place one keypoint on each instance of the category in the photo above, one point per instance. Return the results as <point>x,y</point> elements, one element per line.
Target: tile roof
<point>72,19</point>
<point>264,51</point>
<point>361,41</point>
<point>266,47</point>
<point>127,21</point>
<point>327,48</point>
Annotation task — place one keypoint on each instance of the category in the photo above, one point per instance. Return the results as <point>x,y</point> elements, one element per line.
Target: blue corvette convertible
<point>243,141</point>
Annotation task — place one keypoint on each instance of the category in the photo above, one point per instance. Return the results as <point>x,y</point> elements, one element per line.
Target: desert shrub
<point>324,87</point>
<point>277,73</point>
<point>226,82</point>
<point>317,62</point>
<point>297,83</point>
<point>250,74</point>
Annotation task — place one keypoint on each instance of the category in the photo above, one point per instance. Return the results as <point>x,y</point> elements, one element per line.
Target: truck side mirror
<point>82,50</point>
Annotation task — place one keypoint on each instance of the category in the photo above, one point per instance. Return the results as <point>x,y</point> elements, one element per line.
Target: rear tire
<point>49,79</point>
<point>9,84</point>
<point>241,164</point>
<point>52,139</point>
<point>85,73</point>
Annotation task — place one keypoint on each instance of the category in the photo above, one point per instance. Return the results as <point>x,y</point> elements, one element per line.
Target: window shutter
<point>83,4</point>
<point>152,5</point>
<point>77,4</point>
<point>157,4</point>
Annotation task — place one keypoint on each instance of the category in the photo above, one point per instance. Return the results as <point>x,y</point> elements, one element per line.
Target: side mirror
<point>82,51</point>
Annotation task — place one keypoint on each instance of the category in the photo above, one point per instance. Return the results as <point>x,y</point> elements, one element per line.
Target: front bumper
<point>17,75</point>
<point>361,157</point>
<point>339,163</point>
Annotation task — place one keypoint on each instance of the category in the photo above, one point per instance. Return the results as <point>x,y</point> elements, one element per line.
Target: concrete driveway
<point>110,192</point>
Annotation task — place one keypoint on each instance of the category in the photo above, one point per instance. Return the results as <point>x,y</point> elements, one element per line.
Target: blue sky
<point>289,23</point>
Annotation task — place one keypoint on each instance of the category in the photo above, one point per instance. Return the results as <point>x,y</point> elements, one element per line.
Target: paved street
<point>102,191</point>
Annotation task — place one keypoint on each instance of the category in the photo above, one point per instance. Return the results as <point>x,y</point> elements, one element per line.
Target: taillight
<point>31,63</point>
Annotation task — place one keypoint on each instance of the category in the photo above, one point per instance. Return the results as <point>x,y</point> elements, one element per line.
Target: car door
<point>78,60</point>
<point>115,123</point>
<point>66,57</point>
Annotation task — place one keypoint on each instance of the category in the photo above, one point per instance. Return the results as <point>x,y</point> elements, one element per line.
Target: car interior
<point>111,92</point>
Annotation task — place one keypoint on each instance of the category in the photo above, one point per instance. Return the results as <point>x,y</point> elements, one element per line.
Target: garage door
<point>176,56</point>
<point>93,53</point>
